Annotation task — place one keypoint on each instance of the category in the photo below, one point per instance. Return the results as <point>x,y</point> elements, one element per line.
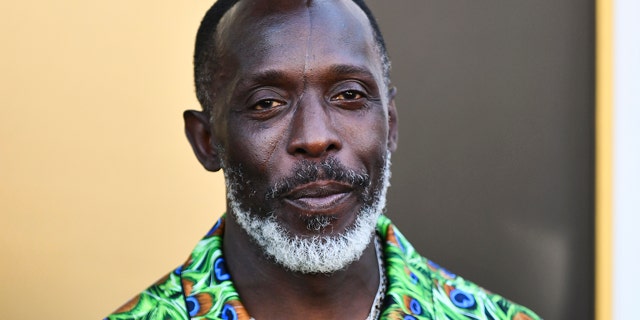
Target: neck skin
<point>268,291</point>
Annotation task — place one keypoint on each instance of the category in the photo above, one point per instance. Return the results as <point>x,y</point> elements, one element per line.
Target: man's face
<point>301,115</point>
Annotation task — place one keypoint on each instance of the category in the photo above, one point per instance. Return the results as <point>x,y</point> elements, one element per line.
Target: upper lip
<point>318,189</point>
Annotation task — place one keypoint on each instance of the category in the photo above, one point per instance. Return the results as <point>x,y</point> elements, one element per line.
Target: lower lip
<point>319,205</point>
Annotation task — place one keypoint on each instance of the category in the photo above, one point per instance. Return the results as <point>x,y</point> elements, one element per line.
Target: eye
<point>267,104</point>
<point>348,95</point>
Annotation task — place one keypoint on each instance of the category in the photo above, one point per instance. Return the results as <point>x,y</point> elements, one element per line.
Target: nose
<point>313,132</point>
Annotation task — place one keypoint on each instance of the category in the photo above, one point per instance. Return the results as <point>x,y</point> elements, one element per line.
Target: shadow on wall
<point>493,176</point>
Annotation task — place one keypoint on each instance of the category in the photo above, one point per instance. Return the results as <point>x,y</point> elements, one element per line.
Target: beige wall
<point>100,194</point>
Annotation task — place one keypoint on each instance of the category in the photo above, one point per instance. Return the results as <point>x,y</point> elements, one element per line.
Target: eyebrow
<point>278,77</point>
<point>266,76</point>
<point>357,72</point>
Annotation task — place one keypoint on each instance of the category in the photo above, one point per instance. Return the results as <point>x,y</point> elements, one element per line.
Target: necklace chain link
<point>382,284</point>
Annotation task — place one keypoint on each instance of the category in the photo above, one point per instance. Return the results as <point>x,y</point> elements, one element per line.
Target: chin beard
<point>317,253</point>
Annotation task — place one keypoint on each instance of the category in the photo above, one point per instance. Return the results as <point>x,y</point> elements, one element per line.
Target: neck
<point>269,291</point>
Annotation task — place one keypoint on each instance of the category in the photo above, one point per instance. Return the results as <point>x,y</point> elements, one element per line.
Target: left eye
<point>267,104</point>
<point>349,95</point>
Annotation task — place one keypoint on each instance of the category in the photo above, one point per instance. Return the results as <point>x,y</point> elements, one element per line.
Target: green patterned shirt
<point>417,288</point>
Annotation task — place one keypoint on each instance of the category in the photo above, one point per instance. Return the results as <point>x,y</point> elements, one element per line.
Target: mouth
<point>319,197</point>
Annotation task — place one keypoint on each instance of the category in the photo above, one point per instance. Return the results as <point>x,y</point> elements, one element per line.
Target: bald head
<point>219,29</point>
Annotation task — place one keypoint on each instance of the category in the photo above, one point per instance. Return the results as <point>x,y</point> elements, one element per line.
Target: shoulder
<point>421,289</point>
<point>201,288</point>
<point>455,296</point>
<point>162,300</point>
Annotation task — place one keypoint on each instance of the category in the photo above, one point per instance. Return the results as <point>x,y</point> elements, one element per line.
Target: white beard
<point>318,253</point>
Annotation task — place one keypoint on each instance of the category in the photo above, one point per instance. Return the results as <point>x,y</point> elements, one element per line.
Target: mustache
<point>307,171</point>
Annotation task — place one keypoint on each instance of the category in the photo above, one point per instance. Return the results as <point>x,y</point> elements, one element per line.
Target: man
<point>299,115</point>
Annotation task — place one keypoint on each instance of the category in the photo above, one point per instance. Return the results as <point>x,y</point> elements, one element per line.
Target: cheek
<point>255,147</point>
<point>367,137</point>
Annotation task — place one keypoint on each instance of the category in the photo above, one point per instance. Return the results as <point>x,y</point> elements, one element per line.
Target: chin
<point>316,253</point>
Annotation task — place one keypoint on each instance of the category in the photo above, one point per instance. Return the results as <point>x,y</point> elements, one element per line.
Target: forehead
<point>281,34</point>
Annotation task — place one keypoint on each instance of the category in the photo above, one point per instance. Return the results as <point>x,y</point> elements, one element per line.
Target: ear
<point>392,139</point>
<point>198,130</point>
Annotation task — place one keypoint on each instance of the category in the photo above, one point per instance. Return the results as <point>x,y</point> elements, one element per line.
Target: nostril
<point>316,149</point>
<point>332,147</point>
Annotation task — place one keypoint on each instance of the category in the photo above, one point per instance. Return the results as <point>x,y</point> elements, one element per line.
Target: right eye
<point>348,95</point>
<point>267,104</point>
